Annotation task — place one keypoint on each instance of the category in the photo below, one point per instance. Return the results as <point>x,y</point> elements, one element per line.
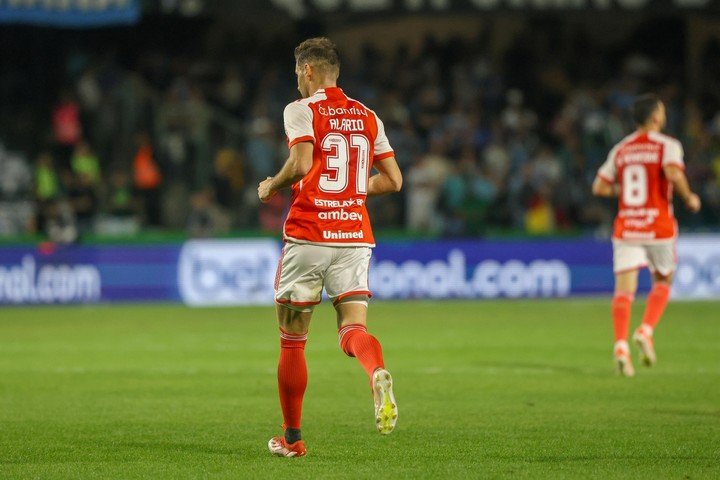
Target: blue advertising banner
<point>209,272</point>
<point>70,13</point>
<point>242,272</point>
<point>82,274</point>
<point>492,269</point>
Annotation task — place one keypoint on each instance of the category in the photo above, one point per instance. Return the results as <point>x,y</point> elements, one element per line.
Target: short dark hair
<point>320,52</point>
<point>643,107</point>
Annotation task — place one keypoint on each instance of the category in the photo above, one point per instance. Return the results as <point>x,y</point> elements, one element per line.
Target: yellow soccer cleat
<point>386,410</point>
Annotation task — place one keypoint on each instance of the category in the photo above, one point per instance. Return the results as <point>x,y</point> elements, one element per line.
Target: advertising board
<point>242,271</point>
<point>227,272</point>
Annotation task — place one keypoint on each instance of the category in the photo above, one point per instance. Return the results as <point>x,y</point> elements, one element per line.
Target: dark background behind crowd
<point>168,126</point>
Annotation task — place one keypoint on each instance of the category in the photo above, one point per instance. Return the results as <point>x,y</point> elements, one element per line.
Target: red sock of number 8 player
<point>656,303</point>
<point>621,309</point>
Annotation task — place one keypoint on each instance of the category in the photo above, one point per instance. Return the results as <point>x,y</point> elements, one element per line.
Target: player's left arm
<point>387,180</point>
<point>296,167</point>
<point>674,169</point>
<point>675,175</point>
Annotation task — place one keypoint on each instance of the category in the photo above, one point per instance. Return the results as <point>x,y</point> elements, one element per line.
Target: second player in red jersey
<point>643,171</point>
<point>637,164</point>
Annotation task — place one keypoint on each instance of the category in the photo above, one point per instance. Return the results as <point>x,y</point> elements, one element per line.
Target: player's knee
<point>293,320</point>
<point>361,299</point>
<point>662,279</point>
<point>621,296</point>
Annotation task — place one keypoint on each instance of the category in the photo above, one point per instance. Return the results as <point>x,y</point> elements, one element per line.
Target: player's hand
<point>264,191</point>
<point>692,203</point>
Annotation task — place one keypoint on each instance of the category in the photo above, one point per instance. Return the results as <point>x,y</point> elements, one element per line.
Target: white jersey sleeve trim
<point>608,170</point>
<point>298,121</point>
<point>672,152</point>
<point>382,144</point>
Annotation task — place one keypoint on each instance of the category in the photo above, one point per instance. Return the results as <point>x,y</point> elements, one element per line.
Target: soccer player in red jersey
<point>643,170</point>
<point>334,143</point>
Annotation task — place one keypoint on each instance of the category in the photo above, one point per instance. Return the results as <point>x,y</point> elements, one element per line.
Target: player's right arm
<point>603,188</point>
<point>296,167</point>
<point>298,123</point>
<point>387,180</point>
<point>676,176</point>
<point>605,184</point>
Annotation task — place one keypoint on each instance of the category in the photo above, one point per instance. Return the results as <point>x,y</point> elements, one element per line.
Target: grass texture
<point>486,389</point>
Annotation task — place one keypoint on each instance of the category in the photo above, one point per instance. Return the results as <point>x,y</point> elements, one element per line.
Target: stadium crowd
<point>178,141</point>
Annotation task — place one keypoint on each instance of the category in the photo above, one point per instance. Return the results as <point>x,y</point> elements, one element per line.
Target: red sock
<point>656,302</point>
<point>621,309</point>
<point>292,377</point>
<point>356,342</point>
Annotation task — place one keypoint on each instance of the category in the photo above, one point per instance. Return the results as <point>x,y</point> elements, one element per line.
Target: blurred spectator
<point>89,92</point>
<point>546,170</point>
<point>47,185</point>
<point>424,181</point>
<point>198,113</point>
<point>206,219</point>
<point>67,128</point>
<point>261,149</point>
<point>174,133</point>
<point>229,183</point>
<point>516,117</point>
<point>540,216</point>
<point>120,195</point>
<point>231,91</point>
<point>147,180</point>
<point>120,218</point>
<point>84,162</point>
<point>17,209</point>
<point>496,160</point>
<point>83,198</point>
<point>16,178</point>
<point>60,225</point>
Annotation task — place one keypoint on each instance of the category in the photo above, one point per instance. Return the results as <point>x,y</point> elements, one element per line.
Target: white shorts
<point>658,257</point>
<point>304,269</point>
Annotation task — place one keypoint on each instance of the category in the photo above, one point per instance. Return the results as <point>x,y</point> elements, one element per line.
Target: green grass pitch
<point>506,389</point>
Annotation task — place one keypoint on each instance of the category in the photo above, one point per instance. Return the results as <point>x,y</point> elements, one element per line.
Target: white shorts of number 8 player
<point>659,257</point>
<point>304,269</point>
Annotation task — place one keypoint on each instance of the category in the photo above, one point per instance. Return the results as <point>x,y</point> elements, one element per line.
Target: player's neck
<point>321,87</point>
<point>645,129</point>
<point>322,84</point>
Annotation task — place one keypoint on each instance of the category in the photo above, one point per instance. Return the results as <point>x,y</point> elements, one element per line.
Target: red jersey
<point>328,204</point>
<point>645,210</point>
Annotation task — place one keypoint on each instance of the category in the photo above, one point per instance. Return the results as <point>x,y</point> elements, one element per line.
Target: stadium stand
<point>174,135</point>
